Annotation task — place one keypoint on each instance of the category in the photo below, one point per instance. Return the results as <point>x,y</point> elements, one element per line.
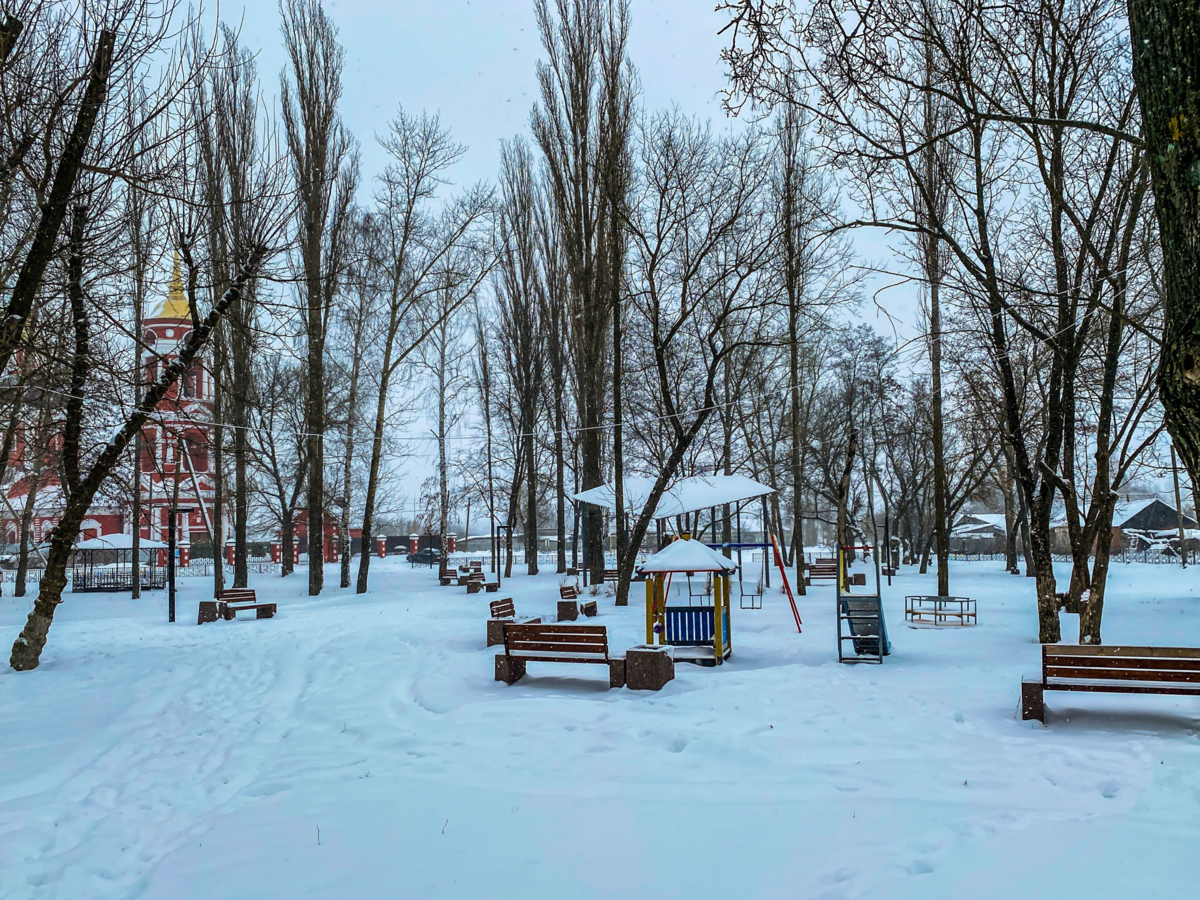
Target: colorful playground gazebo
<point>691,629</point>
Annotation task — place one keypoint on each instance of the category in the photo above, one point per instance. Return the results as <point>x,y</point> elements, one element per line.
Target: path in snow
<point>173,761</point>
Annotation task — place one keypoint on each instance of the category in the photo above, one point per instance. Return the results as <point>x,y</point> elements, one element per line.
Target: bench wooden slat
<point>557,628</point>
<point>1097,685</point>
<point>594,658</point>
<point>518,646</point>
<point>1124,662</point>
<point>1165,675</point>
<point>1116,650</point>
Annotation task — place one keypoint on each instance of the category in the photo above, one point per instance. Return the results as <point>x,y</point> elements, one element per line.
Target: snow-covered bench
<point>525,643</point>
<point>1117,670</point>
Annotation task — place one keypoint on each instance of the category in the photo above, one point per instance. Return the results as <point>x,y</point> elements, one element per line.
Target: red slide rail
<point>787,588</point>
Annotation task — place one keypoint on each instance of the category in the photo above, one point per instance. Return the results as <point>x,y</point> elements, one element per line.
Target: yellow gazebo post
<point>718,618</point>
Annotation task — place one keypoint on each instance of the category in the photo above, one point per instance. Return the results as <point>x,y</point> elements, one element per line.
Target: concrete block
<point>510,671</point>
<point>648,668</point>
<point>616,672</point>
<point>495,631</point>
<point>1032,700</point>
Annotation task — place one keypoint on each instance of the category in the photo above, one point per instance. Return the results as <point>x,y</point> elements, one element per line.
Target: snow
<point>119,541</point>
<point>687,556</point>
<point>359,747</point>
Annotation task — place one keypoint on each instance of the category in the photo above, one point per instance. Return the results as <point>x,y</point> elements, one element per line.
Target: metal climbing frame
<point>860,618</point>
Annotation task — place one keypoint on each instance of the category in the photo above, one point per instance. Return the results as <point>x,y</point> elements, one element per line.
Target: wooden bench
<point>230,602</point>
<point>1116,670</point>
<point>503,613</point>
<point>611,574</point>
<point>822,567</point>
<point>525,643</point>
<point>568,592</point>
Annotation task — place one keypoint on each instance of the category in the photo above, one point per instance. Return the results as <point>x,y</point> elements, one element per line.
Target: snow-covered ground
<point>358,747</point>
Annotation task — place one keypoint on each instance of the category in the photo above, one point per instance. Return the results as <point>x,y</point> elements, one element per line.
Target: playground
<point>361,747</point>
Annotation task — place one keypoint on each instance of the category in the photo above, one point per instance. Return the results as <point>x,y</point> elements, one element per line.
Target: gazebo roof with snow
<point>688,495</point>
<point>117,542</point>
<point>686,555</point>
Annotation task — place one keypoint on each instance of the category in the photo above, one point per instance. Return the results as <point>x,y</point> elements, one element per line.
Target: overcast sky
<point>473,61</point>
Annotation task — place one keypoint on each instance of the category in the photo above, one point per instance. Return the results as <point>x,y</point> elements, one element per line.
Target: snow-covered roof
<point>117,542</point>
<point>996,520</point>
<point>1126,511</point>
<point>686,555</point>
<point>687,495</point>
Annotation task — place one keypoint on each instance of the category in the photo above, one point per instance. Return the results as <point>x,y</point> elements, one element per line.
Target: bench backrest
<point>502,609</point>
<point>558,642</point>
<point>236,594</point>
<point>568,592</point>
<point>1170,666</point>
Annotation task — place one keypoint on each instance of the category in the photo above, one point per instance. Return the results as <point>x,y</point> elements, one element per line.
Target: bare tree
<point>325,172</point>
<point>582,127</point>
<point>521,329</point>
<point>417,249</point>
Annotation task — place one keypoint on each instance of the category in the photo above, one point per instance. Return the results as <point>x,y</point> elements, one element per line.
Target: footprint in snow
<point>678,745</point>
<point>919,867</point>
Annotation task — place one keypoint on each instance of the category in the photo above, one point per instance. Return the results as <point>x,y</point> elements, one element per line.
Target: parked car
<point>427,557</point>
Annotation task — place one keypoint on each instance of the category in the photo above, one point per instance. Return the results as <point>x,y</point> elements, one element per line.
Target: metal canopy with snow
<point>685,496</point>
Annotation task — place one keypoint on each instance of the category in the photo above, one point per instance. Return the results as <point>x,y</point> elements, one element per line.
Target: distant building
<point>1137,525</point>
<point>185,419</point>
<point>979,533</point>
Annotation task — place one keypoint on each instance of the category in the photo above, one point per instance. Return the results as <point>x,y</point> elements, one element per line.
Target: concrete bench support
<point>1033,704</point>
<point>648,668</point>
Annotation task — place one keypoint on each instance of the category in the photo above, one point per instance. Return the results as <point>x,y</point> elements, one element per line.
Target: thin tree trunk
<point>347,472</point>
<point>27,514</point>
<point>560,511</point>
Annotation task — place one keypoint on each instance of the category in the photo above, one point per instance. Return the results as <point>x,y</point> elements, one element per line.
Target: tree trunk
<point>347,471</point>
<point>239,327</point>
<point>26,520</point>
<point>560,512</point>
<point>531,537</point>
<point>843,496</point>
<point>1165,36</point>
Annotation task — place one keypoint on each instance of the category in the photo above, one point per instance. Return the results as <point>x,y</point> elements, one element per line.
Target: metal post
<point>1178,509</point>
<point>171,567</point>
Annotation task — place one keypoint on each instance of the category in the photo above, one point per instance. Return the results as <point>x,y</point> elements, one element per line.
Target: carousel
<point>106,564</point>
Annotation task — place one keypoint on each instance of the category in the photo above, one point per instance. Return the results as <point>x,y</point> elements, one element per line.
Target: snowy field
<point>360,748</point>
